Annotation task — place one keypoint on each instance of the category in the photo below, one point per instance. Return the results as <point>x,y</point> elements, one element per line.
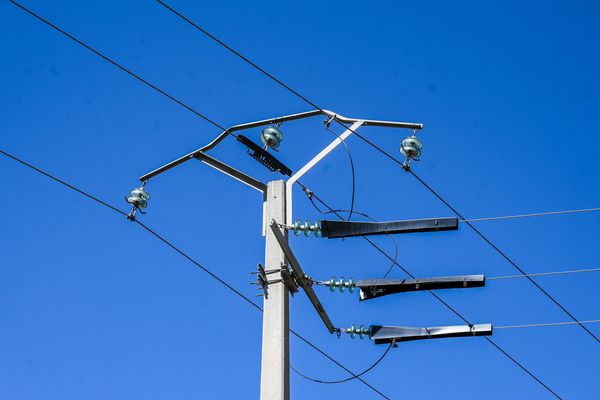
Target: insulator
<point>306,227</point>
<point>410,148</point>
<point>332,284</point>
<point>361,332</point>
<point>138,198</point>
<point>271,137</point>
<point>351,285</point>
<point>297,227</point>
<point>317,229</point>
<point>340,285</point>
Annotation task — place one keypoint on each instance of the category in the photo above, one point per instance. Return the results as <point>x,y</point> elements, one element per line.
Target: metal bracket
<point>232,172</point>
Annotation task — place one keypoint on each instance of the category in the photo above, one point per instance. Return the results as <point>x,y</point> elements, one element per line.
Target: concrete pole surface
<point>275,367</point>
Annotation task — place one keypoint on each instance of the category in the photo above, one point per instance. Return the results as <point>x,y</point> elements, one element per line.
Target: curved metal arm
<point>285,118</point>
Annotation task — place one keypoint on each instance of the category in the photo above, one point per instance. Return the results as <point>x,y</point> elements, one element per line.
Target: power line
<point>272,77</point>
<point>310,195</point>
<point>574,271</point>
<point>346,379</point>
<point>116,64</point>
<point>204,31</point>
<point>589,321</point>
<point>510,261</point>
<point>582,210</point>
<point>89,196</point>
<point>522,366</point>
<point>351,169</point>
<point>189,258</point>
<point>517,363</point>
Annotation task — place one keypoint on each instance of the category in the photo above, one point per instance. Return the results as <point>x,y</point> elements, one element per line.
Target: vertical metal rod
<point>275,368</point>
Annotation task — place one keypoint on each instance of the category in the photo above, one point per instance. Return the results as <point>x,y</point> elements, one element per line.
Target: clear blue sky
<point>95,308</point>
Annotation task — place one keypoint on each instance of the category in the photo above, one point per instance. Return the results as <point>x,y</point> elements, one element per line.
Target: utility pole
<point>275,367</point>
<point>282,273</point>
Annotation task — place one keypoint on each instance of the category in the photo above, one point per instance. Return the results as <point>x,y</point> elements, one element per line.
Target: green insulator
<point>331,284</point>
<point>341,285</point>
<point>297,227</point>
<point>352,331</point>
<point>306,228</point>
<point>362,332</point>
<point>351,285</point>
<point>317,229</point>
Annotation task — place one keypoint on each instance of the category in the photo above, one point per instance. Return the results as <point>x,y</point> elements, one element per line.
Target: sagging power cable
<point>189,258</point>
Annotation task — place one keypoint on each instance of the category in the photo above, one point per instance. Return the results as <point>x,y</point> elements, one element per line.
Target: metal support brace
<point>290,182</point>
<point>301,278</point>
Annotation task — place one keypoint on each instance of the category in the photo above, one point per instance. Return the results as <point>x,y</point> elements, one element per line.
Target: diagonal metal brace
<point>302,279</point>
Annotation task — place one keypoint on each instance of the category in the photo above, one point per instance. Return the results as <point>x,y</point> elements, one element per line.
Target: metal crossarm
<point>388,334</point>
<point>340,229</point>
<point>372,288</point>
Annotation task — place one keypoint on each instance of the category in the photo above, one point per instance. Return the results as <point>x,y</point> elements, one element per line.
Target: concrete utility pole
<point>275,368</point>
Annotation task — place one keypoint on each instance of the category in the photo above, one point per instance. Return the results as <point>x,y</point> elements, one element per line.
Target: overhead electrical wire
<point>275,79</point>
<point>346,379</point>
<point>582,210</point>
<point>510,261</point>
<point>122,68</point>
<point>351,169</point>
<point>589,321</point>
<point>391,237</point>
<point>191,259</point>
<point>574,271</point>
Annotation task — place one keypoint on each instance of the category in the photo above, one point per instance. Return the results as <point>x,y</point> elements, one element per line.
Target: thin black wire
<point>391,237</point>
<point>575,271</point>
<point>129,72</point>
<point>380,150</point>
<point>63,183</point>
<point>346,379</point>
<point>531,374</point>
<point>189,258</point>
<point>482,236</point>
<point>530,215</point>
<point>546,324</point>
<point>204,31</point>
<point>351,168</point>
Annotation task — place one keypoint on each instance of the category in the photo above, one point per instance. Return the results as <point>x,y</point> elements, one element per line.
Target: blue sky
<point>94,308</point>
